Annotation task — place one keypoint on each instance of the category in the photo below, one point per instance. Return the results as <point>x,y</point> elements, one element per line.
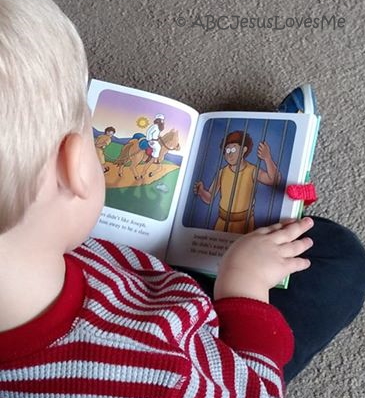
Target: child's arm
<point>248,324</point>
<point>259,334</point>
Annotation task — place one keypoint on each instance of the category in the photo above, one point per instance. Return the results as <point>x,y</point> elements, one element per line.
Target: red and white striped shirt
<point>126,325</point>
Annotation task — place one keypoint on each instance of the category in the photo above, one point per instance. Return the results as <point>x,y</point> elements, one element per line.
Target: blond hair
<point>43,73</point>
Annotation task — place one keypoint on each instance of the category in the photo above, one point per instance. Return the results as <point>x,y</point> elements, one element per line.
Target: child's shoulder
<point>123,273</point>
<point>117,254</point>
<point>117,266</point>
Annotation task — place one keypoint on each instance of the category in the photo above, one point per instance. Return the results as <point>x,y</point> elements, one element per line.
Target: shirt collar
<point>51,325</point>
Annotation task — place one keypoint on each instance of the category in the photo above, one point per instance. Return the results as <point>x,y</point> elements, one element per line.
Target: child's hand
<point>261,259</point>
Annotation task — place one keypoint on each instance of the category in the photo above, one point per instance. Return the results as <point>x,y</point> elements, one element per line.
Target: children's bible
<point>182,185</point>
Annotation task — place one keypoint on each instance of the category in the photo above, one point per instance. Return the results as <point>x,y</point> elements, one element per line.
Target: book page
<point>233,189</point>
<point>143,142</point>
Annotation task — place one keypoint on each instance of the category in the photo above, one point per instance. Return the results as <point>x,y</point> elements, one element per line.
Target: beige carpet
<point>138,43</point>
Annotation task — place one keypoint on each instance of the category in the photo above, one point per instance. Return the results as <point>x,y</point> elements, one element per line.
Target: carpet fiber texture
<point>178,49</point>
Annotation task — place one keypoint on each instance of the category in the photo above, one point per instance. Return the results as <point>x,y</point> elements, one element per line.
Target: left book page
<point>143,142</point>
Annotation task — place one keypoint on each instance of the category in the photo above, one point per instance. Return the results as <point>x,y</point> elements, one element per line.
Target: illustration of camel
<point>132,155</point>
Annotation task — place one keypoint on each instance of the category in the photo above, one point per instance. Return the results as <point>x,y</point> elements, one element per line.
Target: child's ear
<point>69,172</point>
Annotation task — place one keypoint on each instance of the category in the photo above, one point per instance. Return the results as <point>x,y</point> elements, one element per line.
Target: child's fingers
<point>269,229</point>
<point>296,264</point>
<point>295,248</point>
<point>275,227</point>
<point>292,231</point>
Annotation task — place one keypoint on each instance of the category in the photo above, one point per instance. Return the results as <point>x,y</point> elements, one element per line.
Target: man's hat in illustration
<point>160,116</point>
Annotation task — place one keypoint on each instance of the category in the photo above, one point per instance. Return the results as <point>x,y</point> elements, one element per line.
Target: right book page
<point>239,168</point>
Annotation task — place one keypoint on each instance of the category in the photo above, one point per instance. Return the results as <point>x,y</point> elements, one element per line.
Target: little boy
<point>107,320</point>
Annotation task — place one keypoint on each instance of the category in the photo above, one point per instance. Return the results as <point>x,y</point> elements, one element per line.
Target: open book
<point>184,186</point>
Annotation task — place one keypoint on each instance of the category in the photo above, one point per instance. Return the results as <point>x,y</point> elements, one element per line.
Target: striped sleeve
<point>259,334</point>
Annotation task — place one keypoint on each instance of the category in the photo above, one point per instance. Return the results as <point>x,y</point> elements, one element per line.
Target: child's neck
<point>31,275</point>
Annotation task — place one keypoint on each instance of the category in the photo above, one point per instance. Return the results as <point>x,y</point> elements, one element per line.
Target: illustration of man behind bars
<point>236,183</point>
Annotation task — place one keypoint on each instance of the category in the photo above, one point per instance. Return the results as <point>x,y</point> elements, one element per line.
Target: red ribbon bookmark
<point>306,192</point>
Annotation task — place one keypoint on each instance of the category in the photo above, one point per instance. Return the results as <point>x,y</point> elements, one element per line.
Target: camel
<point>133,154</point>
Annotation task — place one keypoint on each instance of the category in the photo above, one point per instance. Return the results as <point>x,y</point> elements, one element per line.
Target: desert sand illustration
<point>113,180</point>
